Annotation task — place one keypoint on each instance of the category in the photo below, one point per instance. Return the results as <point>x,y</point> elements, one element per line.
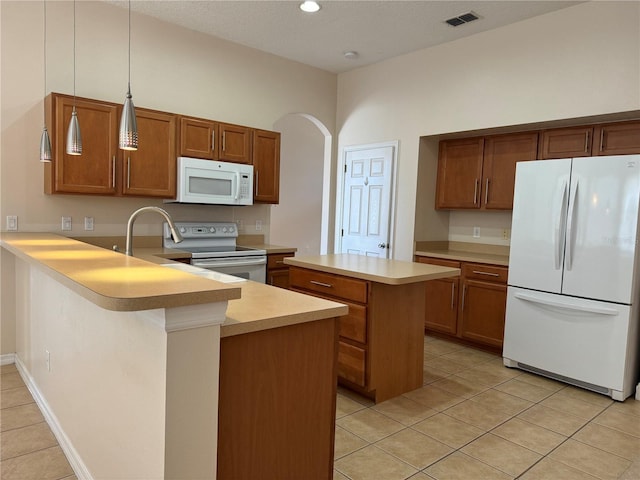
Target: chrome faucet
<point>174,232</point>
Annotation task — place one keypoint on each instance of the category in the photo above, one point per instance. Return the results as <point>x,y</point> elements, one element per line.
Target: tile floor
<point>476,419</point>
<point>473,419</point>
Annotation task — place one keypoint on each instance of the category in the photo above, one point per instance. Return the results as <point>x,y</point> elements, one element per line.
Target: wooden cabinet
<point>459,173</point>
<point>479,173</point>
<point>93,172</point>
<point>566,142</point>
<point>266,166</point>
<point>198,138</point>
<point>104,169</point>
<point>380,347</point>
<point>616,138</point>
<point>501,154</point>
<point>277,270</point>
<point>277,403</point>
<point>235,143</point>
<point>150,171</point>
<point>483,303</point>
<point>441,297</point>
<point>470,307</point>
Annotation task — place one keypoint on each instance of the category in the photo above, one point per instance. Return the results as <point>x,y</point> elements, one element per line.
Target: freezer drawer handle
<point>486,273</point>
<point>566,306</point>
<point>327,285</point>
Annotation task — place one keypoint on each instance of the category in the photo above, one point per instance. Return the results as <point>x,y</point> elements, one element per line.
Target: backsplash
<point>492,227</point>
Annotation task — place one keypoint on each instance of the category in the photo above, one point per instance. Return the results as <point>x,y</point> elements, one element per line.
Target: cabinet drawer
<point>276,260</point>
<point>354,324</point>
<point>488,273</point>
<point>329,284</point>
<point>438,261</point>
<point>351,363</point>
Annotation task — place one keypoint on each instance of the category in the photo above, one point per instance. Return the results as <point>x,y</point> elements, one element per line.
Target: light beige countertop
<point>381,270</point>
<point>464,252</point>
<point>112,280</point>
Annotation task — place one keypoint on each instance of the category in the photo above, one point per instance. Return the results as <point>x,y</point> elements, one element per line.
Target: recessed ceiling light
<point>309,6</point>
<point>351,55</point>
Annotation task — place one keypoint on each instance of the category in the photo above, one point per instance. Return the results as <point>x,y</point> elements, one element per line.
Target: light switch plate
<point>476,232</point>
<point>88,223</point>
<point>12,223</point>
<point>66,224</point>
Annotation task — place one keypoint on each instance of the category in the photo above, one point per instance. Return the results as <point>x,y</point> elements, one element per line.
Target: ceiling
<point>377,30</point>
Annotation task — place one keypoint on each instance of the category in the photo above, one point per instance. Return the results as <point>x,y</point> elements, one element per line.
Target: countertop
<point>115,281</point>
<point>464,252</point>
<point>381,270</point>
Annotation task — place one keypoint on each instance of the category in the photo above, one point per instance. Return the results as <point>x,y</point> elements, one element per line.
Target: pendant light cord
<point>129,77</point>
<point>44,3</point>
<point>74,55</point>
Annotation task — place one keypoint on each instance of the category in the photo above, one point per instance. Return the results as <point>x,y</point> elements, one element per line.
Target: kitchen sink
<point>203,272</point>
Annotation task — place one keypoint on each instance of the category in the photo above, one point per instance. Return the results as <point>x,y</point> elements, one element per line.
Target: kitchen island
<point>124,358</point>
<point>381,339</point>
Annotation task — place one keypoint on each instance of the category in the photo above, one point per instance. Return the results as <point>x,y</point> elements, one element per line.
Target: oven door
<point>250,267</point>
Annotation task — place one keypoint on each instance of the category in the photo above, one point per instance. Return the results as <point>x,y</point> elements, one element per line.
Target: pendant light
<point>74,139</point>
<point>45,142</point>
<point>128,125</point>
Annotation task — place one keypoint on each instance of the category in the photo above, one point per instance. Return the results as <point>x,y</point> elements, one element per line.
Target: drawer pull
<point>486,273</point>
<point>327,285</point>
<point>279,261</point>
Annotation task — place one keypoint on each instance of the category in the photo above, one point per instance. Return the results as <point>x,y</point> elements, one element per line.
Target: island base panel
<point>277,403</point>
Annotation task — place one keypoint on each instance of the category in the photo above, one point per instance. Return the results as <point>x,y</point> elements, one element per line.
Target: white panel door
<point>538,224</point>
<point>367,202</point>
<point>602,228</point>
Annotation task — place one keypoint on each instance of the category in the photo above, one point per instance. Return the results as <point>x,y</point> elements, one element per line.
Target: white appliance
<point>212,182</point>
<point>572,299</point>
<point>213,247</point>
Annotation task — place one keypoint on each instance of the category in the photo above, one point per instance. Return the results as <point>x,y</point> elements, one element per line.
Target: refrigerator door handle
<point>566,305</point>
<point>561,225</point>
<point>573,193</point>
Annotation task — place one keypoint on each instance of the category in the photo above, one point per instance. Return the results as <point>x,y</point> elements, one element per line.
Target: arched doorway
<point>303,218</point>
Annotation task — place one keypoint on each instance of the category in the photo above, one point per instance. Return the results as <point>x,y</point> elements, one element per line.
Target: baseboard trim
<point>78,466</point>
<point>7,359</point>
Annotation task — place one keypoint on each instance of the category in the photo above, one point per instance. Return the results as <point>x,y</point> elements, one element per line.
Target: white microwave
<point>212,182</point>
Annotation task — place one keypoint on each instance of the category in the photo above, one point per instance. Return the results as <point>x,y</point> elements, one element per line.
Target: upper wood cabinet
<point>266,166</point>
<point>93,172</point>
<point>459,173</point>
<point>104,169</point>
<point>198,138</point>
<point>501,154</point>
<point>566,142</point>
<point>616,138</point>
<point>150,171</point>
<point>480,172</point>
<point>234,143</point>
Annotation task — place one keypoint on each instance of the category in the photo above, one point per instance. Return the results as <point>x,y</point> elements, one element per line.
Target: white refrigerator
<point>572,298</point>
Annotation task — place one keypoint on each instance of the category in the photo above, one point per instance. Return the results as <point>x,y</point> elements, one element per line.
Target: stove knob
<point>183,230</point>
<point>225,230</point>
<point>231,229</point>
<point>212,229</point>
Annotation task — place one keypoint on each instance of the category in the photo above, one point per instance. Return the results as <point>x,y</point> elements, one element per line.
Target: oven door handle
<point>233,263</point>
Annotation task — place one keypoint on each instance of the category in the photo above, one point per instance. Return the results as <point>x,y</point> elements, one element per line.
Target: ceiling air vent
<point>461,19</point>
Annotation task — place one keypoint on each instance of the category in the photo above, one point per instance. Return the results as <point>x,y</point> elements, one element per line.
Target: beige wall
<point>580,61</point>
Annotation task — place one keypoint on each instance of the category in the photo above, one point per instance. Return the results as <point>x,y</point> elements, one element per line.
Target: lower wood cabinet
<point>470,307</point>
<point>277,270</point>
<point>381,339</point>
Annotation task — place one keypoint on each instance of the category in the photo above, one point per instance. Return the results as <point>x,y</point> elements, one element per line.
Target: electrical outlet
<point>12,223</point>
<point>476,232</point>
<point>240,225</point>
<point>258,225</point>
<point>88,223</point>
<point>47,359</point>
<point>506,233</point>
<point>66,223</point>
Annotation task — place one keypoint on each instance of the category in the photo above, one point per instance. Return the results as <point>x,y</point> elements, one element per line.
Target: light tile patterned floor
<point>473,419</point>
<point>476,419</point>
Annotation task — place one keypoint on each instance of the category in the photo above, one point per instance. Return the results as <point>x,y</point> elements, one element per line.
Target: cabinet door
<point>93,172</point>
<point>482,312</point>
<point>441,309</point>
<point>565,142</point>
<point>459,173</point>
<point>235,143</point>
<point>266,166</point>
<point>198,138</point>
<point>150,171</point>
<point>278,278</point>
<point>617,139</point>
<point>501,153</point>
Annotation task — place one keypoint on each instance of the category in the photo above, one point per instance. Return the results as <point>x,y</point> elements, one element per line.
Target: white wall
<point>580,61</point>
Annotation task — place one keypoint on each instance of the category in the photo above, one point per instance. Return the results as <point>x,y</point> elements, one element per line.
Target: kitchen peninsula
<point>124,358</point>
<point>381,343</point>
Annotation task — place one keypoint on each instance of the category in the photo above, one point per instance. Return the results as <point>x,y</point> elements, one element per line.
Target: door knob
<point>383,245</point>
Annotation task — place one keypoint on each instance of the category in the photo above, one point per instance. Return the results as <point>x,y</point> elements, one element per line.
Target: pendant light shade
<point>128,125</point>
<point>74,139</point>
<point>45,142</point>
